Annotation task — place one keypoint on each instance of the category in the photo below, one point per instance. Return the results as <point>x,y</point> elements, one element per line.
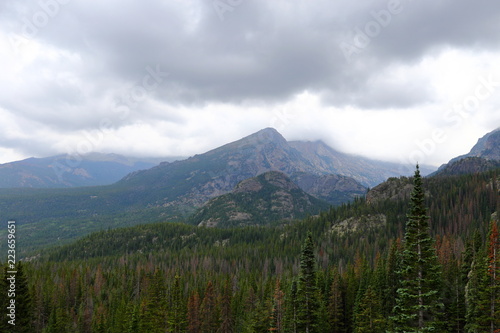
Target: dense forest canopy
<point>341,271</point>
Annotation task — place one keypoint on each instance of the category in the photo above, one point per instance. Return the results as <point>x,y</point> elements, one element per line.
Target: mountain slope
<point>484,155</point>
<point>467,165</point>
<point>267,198</point>
<point>366,171</point>
<point>170,191</point>
<point>334,189</point>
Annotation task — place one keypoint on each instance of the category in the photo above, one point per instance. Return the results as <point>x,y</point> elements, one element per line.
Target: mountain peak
<point>263,136</point>
<point>487,147</point>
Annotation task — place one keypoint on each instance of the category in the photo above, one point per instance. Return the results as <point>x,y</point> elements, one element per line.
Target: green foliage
<point>418,299</point>
<point>308,297</point>
<point>180,277</point>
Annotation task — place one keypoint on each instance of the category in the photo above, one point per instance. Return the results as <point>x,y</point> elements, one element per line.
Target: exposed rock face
<point>359,224</point>
<point>487,149</point>
<point>269,197</point>
<point>393,189</point>
<point>334,189</point>
<point>467,165</point>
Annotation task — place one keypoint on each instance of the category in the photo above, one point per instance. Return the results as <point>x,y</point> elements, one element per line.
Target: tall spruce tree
<point>308,294</point>
<point>418,298</point>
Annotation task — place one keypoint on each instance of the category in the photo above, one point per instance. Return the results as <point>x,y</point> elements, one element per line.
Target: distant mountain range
<point>95,169</point>
<point>71,170</point>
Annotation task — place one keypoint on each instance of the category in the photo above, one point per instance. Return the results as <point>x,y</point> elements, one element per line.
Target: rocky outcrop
<point>393,189</point>
<point>269,197</point>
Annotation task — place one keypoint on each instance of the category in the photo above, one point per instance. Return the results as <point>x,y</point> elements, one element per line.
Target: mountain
<point>366,171</point>
<point>334,189</point>
<point>267,198</point>
<point>70,170</point>
<point>468,165</point>
<point>173,191</point>
<point>484,155</point>
<point>194,181</point>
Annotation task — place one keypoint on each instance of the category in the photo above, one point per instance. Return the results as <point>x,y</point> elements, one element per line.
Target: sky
<point>397,80</point>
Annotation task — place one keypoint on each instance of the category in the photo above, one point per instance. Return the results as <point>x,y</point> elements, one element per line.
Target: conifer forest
<point>431,264</point>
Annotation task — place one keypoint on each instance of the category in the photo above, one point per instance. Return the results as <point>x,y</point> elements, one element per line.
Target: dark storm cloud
<point>254,51</point>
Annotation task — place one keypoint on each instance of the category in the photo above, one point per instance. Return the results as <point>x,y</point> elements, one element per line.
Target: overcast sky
<point>393,80</point>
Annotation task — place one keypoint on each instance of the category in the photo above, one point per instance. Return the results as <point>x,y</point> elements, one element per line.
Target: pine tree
<point>227,321</point>
<point>474,266</point>
<point>278,311</point>
<point>153,317</point>
<point>291,308</point>
<point>193,314</point>
<point>308,292</point>
<point>489,299</point>
<point>369,317</point>
<point>209,313</point>
<point>418,299</point>
<point>176,315</point>
<point>336,304</point>
<point>24,306</point>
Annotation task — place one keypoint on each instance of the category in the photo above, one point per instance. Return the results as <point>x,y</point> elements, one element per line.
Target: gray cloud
<point>262,52</point>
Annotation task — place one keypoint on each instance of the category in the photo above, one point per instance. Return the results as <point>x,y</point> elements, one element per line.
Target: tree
<point>193,314</point>
<point>489,292</point>
<point>209,313</point>
<point>336,304</point>
<point>369,317</point>
<point>278,311</point>
<point>418,299</point>
<point>176,314</point>
<point>23,301</point>
<point>308,292</point>
<point>227,323</point>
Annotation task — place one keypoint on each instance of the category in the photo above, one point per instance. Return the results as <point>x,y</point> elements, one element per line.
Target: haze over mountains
<point>71,170</point>
<point>103,169</point>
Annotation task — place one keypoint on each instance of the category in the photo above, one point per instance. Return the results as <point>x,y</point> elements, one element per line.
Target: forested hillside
<point>183,278</point>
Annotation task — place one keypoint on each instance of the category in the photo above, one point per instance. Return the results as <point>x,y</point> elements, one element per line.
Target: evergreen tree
<point>23,302</point>
<point>278,311</point>
<point>474,266</point>
<point>193,314</point>
<point>489,296</point>
<point>291,308</point>
<point>369,317</point>
<point>153,318</point>
<point>418,299</point>
<point>227,321</point>
<point>336,304</point>
<point>176,315</point>
<point>308,292</point>
<point>209,313</point>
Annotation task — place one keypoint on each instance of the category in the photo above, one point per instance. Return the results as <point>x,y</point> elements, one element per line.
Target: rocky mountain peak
<point>486,148</point>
